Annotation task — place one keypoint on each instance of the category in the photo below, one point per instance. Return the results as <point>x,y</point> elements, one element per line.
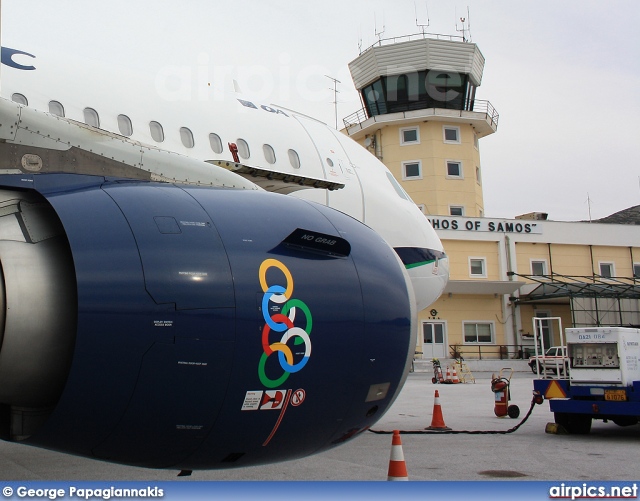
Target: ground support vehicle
<point>603,382</point>
<point>554,359</point>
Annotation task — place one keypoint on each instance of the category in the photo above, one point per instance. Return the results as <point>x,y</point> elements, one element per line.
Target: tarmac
<point>608,453</point>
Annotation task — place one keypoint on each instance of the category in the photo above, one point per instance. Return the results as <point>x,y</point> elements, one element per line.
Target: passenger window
<point>124,125</point>
<point>157,132</point>
<point>91,117</point>
<point>186,136</point>
<point>269,153</point>
<point>20,99</point>
<point>56,108</point>
<point>294,159</point>
<point>215,142</point>
<point>243,148</point>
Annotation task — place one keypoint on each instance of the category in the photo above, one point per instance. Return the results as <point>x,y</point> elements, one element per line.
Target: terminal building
<point>421,118</point>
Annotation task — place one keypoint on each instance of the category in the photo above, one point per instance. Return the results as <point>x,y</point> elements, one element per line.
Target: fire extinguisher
<point>500,387</point>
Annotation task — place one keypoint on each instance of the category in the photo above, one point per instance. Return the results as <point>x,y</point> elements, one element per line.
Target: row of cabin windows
<point>125,126</point>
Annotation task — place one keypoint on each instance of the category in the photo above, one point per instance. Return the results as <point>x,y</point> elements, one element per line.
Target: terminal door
<point>434,339</point>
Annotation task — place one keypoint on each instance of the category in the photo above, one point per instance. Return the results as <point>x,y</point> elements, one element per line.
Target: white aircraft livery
<point>274,147</point>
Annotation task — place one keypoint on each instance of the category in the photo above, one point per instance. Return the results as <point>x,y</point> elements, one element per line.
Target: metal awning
<point>563,286</point>
<point>482,287</point>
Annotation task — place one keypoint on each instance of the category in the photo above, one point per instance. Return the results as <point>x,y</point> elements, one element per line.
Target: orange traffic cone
<point>448,378</point>
<point>437,422</point>
<point>455,376</point>
<point>397,466</point>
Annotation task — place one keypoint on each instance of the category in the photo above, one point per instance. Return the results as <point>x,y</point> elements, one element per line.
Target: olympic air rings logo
<point>287,313</point>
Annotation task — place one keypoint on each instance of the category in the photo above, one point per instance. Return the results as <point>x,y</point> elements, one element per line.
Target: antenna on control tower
<point>466,28</point>
<point>421,26</point>
<point>375,29</point>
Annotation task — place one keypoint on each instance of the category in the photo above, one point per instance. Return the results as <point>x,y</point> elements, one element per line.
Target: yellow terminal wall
<point>460,308</point>
<point>459,252</point>
<point>576,260</point>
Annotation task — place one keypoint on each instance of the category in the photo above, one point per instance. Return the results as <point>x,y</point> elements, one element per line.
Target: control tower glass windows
<point>418,90</point>
<point>375,98</point>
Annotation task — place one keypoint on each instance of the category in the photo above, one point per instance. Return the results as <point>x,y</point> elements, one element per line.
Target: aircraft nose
<point>428,271</point>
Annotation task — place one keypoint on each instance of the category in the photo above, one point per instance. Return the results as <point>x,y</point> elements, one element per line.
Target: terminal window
<point>478,332</point>
<point>636,270</point>
<point>456,211</point>
<point>477,267</point>
<point>606,270</point>
<point>538,268</point>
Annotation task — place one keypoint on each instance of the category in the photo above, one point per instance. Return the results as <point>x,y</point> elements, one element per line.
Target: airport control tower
<point>422,120</point>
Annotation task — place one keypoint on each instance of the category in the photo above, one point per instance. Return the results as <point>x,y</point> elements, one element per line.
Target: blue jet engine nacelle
<point>183,327</point>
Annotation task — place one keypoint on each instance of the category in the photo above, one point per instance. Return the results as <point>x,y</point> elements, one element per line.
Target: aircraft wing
<point>274,181</point>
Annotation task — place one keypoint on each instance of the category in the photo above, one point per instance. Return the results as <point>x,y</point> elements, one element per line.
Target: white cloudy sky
<point>564,75</point>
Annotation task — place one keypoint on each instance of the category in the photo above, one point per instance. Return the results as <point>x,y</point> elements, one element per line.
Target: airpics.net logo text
<point>586,491</point>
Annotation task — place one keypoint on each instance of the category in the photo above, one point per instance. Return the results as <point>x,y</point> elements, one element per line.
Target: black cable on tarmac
<point>460,432</point>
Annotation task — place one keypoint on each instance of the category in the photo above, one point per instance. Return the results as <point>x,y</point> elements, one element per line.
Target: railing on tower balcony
<point>414,36</point>
<point>476,106</point>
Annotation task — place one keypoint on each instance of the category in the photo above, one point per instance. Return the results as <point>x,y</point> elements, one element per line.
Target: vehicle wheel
<point>575,424</point>
<point>513,411</point>
<point>533,368</point>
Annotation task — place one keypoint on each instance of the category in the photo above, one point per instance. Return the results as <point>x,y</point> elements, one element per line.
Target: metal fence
<point>491,352</point>
<point>475,105</point>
